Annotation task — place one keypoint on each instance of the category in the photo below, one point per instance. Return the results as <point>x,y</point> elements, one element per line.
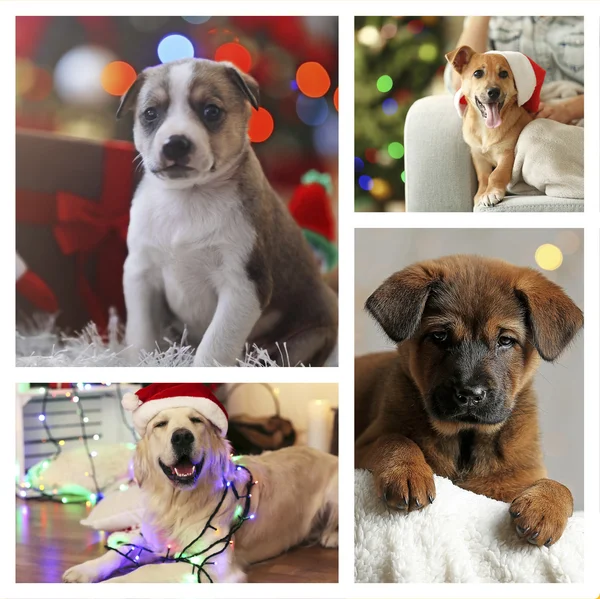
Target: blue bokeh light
<point>173,47</point>
<point>358,164</point>
<point>326,136</point>
<point>293,85</point>
<point>389,106</point>
<point>365,182</point>
<point>196,20</point>
<point>312,111</point>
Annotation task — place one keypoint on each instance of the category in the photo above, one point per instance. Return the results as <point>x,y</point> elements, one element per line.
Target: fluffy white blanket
<point>461,537</point>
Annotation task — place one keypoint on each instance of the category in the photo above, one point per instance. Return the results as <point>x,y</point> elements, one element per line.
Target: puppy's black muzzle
<point>177,148</point>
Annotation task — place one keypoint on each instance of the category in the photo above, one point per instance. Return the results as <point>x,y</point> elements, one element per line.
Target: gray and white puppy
<point>211,246</point>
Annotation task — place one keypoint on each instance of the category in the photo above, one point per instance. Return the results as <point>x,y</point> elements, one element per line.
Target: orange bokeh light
<point>312,79</point>
<point>117,77</point>
<point>236,54</point>
<point>261,125</point>
<point>335,98</point>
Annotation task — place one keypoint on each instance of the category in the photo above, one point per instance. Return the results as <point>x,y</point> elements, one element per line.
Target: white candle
<point>319,424</point>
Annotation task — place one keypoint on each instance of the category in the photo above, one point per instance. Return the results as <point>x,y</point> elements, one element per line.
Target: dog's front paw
<point>406,486</point>
<point>329,539</point>
<point>540,513</point>
<point>490,197</point>
<point>80,573</point>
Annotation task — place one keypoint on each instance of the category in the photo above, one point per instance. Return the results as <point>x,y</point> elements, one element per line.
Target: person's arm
<point>474,34</point>
<point>563,112</point>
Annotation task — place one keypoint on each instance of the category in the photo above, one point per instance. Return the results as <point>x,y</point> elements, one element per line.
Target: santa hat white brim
<point>142,415</point>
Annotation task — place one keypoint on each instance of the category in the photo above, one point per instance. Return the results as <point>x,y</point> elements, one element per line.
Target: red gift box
<point>73,199</point>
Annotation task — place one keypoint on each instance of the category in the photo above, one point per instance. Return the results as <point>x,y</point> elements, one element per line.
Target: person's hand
<point>561,112</point>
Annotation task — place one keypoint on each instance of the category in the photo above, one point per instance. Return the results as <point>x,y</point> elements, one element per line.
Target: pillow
<point>72,468</point>
<point>118,510</point>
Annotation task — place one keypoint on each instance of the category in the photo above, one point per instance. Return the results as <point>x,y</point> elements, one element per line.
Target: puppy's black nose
<point>182,438</point>
<point>177,147</point>
<point>493,93</point>
<point>469,396</point>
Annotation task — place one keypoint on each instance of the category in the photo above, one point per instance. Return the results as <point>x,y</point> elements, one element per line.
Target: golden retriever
<point>195,494</point>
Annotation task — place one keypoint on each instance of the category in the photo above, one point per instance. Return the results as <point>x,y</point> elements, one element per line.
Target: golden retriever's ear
<point>141,465</point>
<point>398,304</point>
<point>130,97</point>
<point>552,317</point>
<point>460,57</point>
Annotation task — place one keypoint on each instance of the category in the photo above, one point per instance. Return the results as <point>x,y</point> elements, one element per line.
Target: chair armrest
<point>439,171</point>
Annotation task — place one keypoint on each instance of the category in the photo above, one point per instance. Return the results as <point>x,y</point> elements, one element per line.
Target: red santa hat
<point>529,78</point>
<point>146,403</point>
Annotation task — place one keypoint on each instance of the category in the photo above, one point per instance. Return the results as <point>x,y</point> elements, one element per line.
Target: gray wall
<point>380,252</point>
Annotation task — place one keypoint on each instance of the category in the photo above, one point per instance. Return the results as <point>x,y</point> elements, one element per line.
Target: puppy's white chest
<point>194,244</point>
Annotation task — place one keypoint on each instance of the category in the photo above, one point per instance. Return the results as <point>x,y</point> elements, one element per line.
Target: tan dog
<point>211,245</point>
<point>457,397</point>
<point>492,121</point>
<point>182,465</point>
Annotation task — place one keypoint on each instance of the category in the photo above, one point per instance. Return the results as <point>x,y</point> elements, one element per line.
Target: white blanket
<point>461,537</point>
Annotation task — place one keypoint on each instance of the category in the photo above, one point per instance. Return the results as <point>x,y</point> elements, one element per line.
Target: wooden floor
<point>50,540</point>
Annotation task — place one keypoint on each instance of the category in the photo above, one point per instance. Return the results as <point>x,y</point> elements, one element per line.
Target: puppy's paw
<point>490,197</point>
<point>329,539</point>
<point>406,486</point>
<point>80,573</point>
<point>540,513</point>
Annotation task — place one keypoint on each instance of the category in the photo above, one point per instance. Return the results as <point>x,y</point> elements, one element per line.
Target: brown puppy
<point>457,398</point>
<point>492,121</point>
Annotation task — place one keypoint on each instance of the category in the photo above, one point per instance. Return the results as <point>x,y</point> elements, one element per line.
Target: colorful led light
<point>312,79</point>
<point>236,54</point>
<point>384,84</point>
<point>389,106</point>
<point>261,125</point>
<point>396,150</point>
<point>174,47</point>
<point>365,182</point>
<point>358,164</point>
<point>311,111</point>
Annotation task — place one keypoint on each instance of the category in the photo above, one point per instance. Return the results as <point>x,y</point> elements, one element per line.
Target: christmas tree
<point>396,58</point>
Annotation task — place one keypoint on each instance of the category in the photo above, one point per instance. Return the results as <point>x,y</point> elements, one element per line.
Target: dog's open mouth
<point>490,113</point>
<point>184,472</point>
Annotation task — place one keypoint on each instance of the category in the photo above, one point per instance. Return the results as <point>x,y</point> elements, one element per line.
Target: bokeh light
<point>335,98</point>
<point>25,71</point>
<point>415,26</point>
<point>42,86</point>
<point>368,36</point>
<point>311,111</point>
<point>381,189</point>
<point>117,77</point>
<point>371,155</point>
<point>196,20</point>
<point>174,47</point>
<point>236,54</point>
<point>365,182</point>
<point>403,176</point>
<point>325,137</point>
<point>389,106</point>
<point>312,79</point>
<point>389,30</point>
<point>261,125</point>
<point>359,165</point>
<point>384,84</point>
<point>77,76</point>
<point>548,257</point>
<point>396,150</point>
<point>428,52</point>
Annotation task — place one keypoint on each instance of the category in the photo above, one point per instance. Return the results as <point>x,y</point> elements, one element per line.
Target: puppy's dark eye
<point>195,420</point>
<point>478,74</point>
<point>503,74</point>
<point>160,424</point>
<point>211,113</point>
<point>439,336</point>
<point>150,114</point>
<point>505,341</point>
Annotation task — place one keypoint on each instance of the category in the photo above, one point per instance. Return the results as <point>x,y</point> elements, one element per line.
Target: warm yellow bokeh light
<point>548,257</point>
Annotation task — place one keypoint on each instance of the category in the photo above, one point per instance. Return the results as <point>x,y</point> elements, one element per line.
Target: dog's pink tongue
<point>184,468</point>
<point>492,120</point>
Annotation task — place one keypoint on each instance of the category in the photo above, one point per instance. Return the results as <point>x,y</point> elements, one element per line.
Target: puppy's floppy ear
<point>130,97</point>
<point>552,317</point>
<point>246,84</point>
<point>460,57</point>
<point>398,304</point>
<point>141,468</point>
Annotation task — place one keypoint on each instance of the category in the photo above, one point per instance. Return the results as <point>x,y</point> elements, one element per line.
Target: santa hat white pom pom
<point>131,402</point>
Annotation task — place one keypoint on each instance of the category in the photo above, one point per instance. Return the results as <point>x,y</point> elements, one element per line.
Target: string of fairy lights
<point>26,489</point>
<point>199,560</point>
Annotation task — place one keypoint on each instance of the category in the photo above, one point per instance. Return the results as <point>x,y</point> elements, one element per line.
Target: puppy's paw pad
<point>407,487</point>
<point>540,513</point>
<point>78,574</point>
<point>329,539</point>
